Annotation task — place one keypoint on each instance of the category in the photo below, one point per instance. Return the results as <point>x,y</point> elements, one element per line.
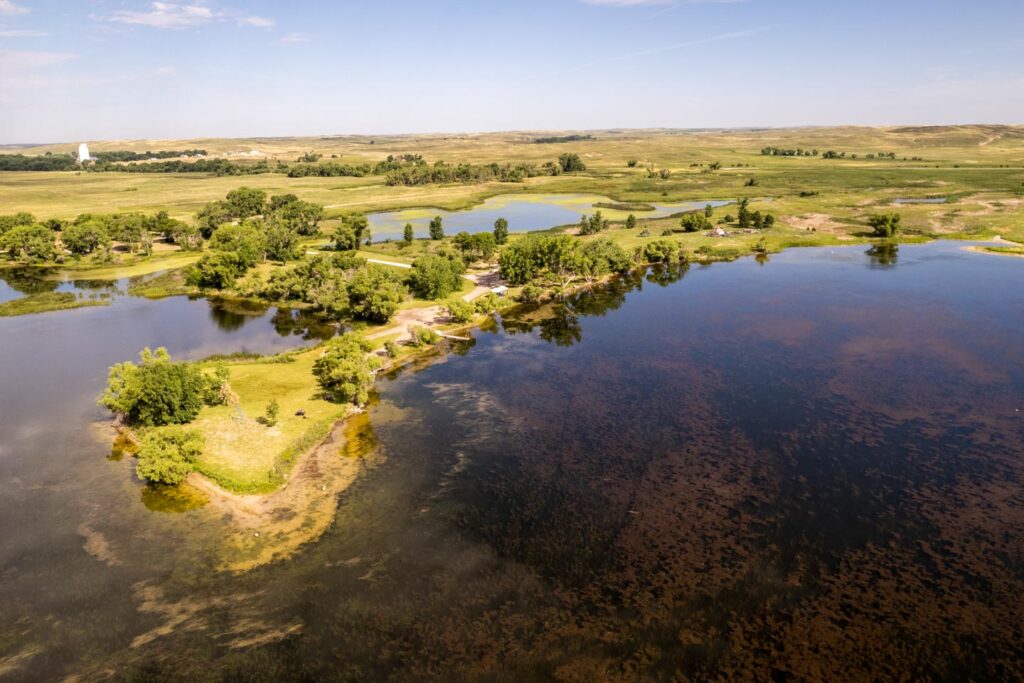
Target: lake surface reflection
<point>807,468</point>
<point>523,213</point>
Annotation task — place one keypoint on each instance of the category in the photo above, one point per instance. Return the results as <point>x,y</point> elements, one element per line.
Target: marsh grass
<point>45,302</point>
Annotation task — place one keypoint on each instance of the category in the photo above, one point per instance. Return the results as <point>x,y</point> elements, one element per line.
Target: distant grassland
<point>980,167</point>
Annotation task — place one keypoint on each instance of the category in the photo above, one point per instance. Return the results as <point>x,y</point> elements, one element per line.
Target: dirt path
<point>434,315</point>
<point>274,526</point>
<point>389,263</point>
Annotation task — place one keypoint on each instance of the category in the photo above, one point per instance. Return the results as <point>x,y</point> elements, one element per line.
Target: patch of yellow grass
<point>243,454</point>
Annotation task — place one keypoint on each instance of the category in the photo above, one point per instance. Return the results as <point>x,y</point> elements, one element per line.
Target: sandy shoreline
<point>998,239</point>
<point>269,527</point>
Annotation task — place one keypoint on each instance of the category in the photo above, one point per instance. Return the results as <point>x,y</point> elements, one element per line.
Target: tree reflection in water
<point>883,255</point>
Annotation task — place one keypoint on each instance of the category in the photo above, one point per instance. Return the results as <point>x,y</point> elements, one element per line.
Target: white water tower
<point>83,153</point>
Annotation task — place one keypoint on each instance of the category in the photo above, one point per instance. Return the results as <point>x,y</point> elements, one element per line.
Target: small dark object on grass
<point>300,413</point>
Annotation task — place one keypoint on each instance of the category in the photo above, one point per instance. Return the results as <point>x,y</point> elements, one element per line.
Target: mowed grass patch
<point>246,456</point>
<point>132,267</point>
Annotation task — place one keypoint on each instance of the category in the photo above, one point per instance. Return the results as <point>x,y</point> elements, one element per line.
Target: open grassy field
<point>246,456</point>
<point>981,168</point>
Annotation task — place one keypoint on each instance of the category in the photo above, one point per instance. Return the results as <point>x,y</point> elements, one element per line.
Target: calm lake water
<point>921,200</point>
<point>523,213</point>
<point>805,469</point>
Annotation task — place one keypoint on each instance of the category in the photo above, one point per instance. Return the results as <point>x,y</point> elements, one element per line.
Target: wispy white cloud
<point>20,33</point>
<point>14,62</point>
<point>258,22</point>
<point>42,80</point>
<point>22,68</point>
<point>292,38</point>
<point>9,8</point>
<point>680,3</point>
<point>732,35</point>
<point>166,15</point>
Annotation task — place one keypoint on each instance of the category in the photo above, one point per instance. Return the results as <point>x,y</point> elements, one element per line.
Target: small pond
<point>523,213</point>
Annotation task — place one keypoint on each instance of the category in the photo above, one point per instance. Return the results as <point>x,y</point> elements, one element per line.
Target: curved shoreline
<point>273,526</point>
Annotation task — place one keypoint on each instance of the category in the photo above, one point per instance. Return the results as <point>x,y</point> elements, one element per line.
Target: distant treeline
<point>114,161</point>
<point>830,154</point>
<point>46,162</point>
<point>779,152</point>
<point>440,172</point>
<point>406,169</point>
<point>563,138</point>
<point>143,156</point>
<point>219,167</point>
<point>333,169</point>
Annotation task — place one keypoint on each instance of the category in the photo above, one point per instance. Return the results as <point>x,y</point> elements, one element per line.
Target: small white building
<point>500,290</point>
<point>83,153</point>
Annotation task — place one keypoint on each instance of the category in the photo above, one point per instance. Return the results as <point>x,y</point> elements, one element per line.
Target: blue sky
<point>101,69</point>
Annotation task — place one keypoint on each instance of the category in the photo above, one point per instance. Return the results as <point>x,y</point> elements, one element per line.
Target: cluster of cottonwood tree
<point>560,259</point>
<point>441,172</point>
<point>332,169</point>
<point>23,238</point>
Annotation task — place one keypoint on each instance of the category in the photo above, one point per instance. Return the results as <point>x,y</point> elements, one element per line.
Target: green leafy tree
<point>885,224</point>
<point>247,240</point>
<point>601,257</point>
<point>217,270</point>
<point>246,202</point>
<point>375,293</point>
<point>477,247</point>
<point>168,455</point>
<point>31,243</point>
<point>744,217</point>
<point>270,414</point>
<point>571,163</point>
<point>660,251</point>
<point>282,241</point>
<point>85,238</point>
<point>408,235</point>
<point>156,392</point>
<point>436,277</point>
<point>488,303</point>
<point>211,217</point>
<point>694,222</point>
<point>530,294</point>
<point>130,229</point>
<point>500,231</point>
<point>594,224</point>
<point>185,235</point>
<point>420,335</point>
<point>534,255</point>
<point>353,231</point>
<point>345,370</point>
<point>709,211</point>
<point>436,228</point>
<point>302,217</point>
<point>630,222</point>
<point>15,220</point>
<point>460,311</point>
<point>279,201</point>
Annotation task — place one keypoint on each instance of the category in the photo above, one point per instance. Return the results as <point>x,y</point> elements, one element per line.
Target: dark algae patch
<point>806,467</point>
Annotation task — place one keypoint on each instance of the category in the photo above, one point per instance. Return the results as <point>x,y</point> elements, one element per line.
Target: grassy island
<point>46,301</point>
